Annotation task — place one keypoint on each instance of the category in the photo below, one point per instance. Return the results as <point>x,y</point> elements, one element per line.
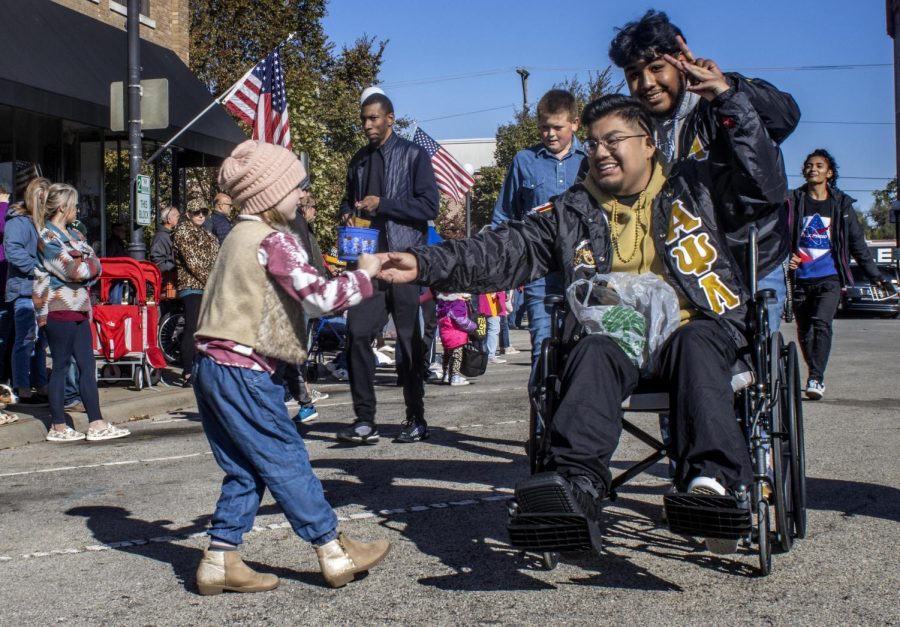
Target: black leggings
<point>67,340</point>
<point>191,304</point>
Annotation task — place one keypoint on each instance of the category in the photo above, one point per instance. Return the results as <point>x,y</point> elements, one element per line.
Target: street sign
<point>154,104</point>
<point>144,214</point>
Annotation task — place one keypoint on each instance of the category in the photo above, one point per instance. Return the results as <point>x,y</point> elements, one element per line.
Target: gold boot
<point>342,558</point>
<point>225,570</point>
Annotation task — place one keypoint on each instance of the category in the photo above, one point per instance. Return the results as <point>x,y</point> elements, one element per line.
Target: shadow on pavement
<point>853,498</point>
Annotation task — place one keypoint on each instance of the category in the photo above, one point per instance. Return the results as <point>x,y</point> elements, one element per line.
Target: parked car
<point>863,298</point>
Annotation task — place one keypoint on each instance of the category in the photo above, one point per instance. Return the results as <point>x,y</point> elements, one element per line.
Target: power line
<point>459,115</point>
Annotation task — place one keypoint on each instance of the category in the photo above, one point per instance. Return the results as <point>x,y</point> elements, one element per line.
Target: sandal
<point>111,432</point>
<point>7,418</point>
<point>69,435</point>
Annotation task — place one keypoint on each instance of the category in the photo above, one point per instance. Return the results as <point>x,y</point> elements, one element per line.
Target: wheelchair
<point>772,512</point>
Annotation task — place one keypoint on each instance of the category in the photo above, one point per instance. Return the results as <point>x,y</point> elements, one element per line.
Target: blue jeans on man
<point>29,367</point>
<point>538,312</point>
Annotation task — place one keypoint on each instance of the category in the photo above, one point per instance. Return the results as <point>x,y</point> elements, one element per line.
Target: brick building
<point>59,59</point>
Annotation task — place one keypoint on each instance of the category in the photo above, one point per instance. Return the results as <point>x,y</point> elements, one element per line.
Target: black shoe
<point>413,431</point>
<point>556,513</point>
<point>360,432</point>
<point>35,400</point>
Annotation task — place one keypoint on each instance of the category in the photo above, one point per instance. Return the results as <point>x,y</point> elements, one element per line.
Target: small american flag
<point>260,100</point>
<point>452,178</point>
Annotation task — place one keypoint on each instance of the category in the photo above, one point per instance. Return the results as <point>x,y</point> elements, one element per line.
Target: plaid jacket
<point>67,267</point>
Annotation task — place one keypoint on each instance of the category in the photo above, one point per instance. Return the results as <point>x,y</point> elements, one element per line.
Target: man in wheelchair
<point>629,215</point>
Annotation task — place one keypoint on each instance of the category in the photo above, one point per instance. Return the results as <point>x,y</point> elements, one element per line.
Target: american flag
<point>260,100</point>
<point>452,178</point>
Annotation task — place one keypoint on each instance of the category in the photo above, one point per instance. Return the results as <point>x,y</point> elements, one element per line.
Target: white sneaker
<point>496,360</point>
<point>111,432</point>
<point>315,395</point>
<point>815,390</point>
<point>458,379</point>
<point>711,487</point>
<point>509,350</point>
<point>69,435</point>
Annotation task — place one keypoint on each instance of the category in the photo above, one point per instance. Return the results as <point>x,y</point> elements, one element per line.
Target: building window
<point>145,7</point>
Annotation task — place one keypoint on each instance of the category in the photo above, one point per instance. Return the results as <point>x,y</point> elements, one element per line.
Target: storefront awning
<point>60,63</point>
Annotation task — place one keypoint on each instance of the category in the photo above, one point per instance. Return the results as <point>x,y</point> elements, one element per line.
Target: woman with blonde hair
<point>67,268</point>
<point>20,241</point>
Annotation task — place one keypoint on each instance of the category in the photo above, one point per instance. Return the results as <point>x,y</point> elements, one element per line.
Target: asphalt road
<point>112,533</point>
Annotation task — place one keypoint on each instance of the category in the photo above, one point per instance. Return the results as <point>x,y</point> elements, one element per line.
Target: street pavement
<point>111,533</point>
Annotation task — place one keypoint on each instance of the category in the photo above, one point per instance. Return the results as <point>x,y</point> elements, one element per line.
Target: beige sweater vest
<point>242,304</point>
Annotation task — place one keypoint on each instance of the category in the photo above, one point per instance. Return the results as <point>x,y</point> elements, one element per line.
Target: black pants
<point>695,366</point>
<point>191,304</point>
<point>429,321</point>
<point>815,303</point>
<point>364,322</point>
<point>68,340</point>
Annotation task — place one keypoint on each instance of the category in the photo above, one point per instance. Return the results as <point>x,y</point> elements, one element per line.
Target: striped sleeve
<point>285,261</point>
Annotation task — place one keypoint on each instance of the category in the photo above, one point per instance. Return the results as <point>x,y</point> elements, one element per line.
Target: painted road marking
<point>499,494</point>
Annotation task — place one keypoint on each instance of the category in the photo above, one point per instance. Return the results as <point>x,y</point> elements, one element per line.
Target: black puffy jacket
<point>574,236</point>
<point>701,137</point>
<point>847,236</point>
<point>410,195</point>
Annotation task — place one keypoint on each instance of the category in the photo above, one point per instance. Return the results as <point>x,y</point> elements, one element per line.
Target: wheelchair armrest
<point>554,299</point>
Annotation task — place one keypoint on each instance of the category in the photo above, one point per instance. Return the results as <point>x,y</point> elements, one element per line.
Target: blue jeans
<point>256,444</point>
<point>504,332</point>
<point>29,359</point>
<point>538,312</point>
<point>774,281</point>
<point>492,337</point>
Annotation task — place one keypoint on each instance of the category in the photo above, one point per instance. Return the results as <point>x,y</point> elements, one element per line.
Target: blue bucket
<point>354,241</point>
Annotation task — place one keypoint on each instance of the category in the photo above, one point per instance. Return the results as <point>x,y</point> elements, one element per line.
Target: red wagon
<point>125,318</point>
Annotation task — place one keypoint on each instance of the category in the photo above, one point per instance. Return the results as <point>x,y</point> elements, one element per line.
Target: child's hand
<point>370,264</point>
<point>794,263</point>
<point>398,267</point>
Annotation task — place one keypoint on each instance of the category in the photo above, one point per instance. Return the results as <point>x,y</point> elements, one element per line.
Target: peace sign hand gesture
<point>703,75</point>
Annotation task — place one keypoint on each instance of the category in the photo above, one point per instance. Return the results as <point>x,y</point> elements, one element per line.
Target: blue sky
<point>458,57</point>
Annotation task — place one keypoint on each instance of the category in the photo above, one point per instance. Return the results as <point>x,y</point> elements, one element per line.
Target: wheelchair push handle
<point>753,261</point>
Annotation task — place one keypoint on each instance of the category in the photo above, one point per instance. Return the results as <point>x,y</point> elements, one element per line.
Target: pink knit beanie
<point>258,175</point>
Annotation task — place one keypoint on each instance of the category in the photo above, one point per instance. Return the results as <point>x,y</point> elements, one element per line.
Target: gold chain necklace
<point>638,227</point>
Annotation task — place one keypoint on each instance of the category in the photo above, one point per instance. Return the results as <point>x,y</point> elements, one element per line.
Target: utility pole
<point>524,74</point>
<point>136,246</point>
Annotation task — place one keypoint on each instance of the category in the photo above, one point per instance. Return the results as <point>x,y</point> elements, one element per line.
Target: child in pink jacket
<point>454,327</point>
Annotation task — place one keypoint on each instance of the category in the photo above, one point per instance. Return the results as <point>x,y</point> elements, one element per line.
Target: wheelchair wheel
<point>778,451</point>
<point>764,547</point>
<point>169,336</point>
<point>550,560</point>
<point>796,457</point>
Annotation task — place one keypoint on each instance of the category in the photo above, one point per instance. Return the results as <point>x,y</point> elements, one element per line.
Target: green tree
<point>323,84</point>
<point>877,222</point>
<point>521,133</point>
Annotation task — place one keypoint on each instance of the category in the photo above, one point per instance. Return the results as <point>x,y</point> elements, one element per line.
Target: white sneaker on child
<point>458,379</point>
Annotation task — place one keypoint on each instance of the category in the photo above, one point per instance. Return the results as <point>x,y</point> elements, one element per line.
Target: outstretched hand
<point>703,75</point>
<point>398,267</point>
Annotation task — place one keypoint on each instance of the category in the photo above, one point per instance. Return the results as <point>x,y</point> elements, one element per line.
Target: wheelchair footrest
<point>551,532</point>
<point>707,516</point>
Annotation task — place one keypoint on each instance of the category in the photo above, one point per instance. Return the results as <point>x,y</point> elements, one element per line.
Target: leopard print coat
<point>196,250</point>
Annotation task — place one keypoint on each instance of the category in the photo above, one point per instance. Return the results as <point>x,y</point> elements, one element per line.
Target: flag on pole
<point>452,178</point>
<point>260,100</point>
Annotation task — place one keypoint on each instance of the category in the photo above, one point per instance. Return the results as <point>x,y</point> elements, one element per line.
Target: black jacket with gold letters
<point>688,225</point>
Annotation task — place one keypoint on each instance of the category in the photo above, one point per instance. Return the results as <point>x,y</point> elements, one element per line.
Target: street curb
<point>31,429</point>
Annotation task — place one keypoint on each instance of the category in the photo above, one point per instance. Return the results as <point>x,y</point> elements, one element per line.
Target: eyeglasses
<point>201,212</point>
<point>611,144</point>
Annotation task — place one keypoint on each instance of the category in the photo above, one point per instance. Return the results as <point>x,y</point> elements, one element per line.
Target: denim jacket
<point>20,241</point>
<point>534,177</point>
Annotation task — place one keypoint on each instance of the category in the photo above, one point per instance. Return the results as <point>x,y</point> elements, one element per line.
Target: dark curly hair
<point>832,164</point>
<point>626,107</point>
<point>648,38</point>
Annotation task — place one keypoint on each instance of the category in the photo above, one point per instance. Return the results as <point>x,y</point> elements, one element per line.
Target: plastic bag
<point>638,311</point>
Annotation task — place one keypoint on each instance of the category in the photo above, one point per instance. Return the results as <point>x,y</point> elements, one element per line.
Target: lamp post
<point>468,167</point>
<point>136,246</point>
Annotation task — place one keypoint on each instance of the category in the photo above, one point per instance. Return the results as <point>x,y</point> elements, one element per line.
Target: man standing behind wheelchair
<point>628,215</point>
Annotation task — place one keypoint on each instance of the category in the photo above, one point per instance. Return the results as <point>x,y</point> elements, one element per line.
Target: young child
<point>251,316</point>
<point>454,327</point>
<point>537,174</point>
